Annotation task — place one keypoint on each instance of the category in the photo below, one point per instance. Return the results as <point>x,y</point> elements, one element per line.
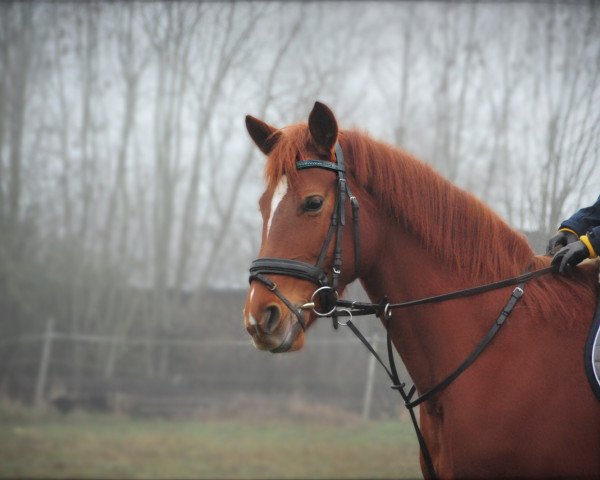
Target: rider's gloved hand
<point>569,256</point>
<point>561,239</point>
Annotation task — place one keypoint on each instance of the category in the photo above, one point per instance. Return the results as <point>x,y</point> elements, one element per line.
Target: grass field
<point>34,445</point>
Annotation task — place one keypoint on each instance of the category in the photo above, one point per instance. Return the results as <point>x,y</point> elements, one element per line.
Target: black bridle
<point>326,294</point>
<point>327,286</point>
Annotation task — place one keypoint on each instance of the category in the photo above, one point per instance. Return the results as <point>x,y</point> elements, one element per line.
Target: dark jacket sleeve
<point>594,237</point>
<point>586,220</point>
<point>583,220</point>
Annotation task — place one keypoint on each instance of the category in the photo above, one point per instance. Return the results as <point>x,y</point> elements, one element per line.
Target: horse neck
<point>402,266</point>
<point>453,226</point>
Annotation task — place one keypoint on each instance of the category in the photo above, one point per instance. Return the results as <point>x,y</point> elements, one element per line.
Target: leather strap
<point>514,298</point>
<point>273,287</point>
<point>362,308</point>
<point>293,268</point>
<point>384,308</point>
<point>399,386</point>
<point>326,164</point>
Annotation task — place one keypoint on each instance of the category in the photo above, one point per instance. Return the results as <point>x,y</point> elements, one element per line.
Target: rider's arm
<point>583,220</point>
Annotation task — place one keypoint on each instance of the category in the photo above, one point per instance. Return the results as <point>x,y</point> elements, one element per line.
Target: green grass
<point>104,446</point>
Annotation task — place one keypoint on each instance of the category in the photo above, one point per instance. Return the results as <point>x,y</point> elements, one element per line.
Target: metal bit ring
<point>312,299</point>
<point>343,324</point>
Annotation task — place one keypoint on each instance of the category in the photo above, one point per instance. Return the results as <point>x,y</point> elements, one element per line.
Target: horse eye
<point>313,204</point>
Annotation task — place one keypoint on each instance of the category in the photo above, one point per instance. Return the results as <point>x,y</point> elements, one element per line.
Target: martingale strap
<point>391,371</point>
<point>506,311</point>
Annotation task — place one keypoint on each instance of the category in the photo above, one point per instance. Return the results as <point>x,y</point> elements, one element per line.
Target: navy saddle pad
<point>592,351</point>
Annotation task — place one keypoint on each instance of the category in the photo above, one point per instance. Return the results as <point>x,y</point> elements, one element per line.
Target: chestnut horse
<point>524,408</point>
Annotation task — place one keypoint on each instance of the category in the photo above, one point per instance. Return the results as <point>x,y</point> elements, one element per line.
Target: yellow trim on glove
<point>565,229</point>
<point>586,241</point>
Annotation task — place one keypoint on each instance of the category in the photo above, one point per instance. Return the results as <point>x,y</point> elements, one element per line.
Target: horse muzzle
<point>274,328</point>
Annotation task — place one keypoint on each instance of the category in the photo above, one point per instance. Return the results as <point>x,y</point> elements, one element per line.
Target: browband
<point>326,164</point>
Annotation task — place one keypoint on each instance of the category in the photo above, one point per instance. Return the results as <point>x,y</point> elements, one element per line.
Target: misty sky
<point>500,98</point>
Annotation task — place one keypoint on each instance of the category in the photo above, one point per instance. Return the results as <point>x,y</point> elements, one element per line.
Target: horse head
<point>304,215</point>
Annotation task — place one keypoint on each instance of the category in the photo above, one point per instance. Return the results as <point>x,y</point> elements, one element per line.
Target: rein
<point>327,295</point>
<point>384,311</point>
<point>354,308</point>
<point>399,386</point>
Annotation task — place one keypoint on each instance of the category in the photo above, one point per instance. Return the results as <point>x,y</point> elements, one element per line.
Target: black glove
<point>561,239</point>
<point>569,256</point>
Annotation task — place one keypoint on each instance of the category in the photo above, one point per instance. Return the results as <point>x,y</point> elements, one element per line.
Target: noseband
<point>326,285</point>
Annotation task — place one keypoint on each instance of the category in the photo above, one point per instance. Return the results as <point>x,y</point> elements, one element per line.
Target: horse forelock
<point>291,142</point>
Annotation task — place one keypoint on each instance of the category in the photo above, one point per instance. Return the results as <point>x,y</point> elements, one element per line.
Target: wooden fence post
<point>368,396</point>
<point>42,376</point>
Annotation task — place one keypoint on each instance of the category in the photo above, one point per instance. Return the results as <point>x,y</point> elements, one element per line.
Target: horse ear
<point>323,126</point>
<point>264,135</point>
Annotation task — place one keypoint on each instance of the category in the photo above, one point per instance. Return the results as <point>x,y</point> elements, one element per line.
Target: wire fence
<point>198,376</point>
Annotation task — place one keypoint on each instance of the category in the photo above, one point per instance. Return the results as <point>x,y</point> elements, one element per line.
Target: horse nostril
<point>271,318</point>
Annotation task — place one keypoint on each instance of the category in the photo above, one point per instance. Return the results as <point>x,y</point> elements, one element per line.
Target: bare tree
<point>133,60</point>
<point>559,146</point>
<point>125,168</point>
<point>233,47</point>
<point>17,43</point>
<point>572,95</point>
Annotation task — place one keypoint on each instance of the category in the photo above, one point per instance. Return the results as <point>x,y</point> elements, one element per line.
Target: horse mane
<point>450,223</point>
<point>453,225</point>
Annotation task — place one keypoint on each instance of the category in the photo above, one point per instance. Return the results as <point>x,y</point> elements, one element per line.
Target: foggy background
<point>129,187</point>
